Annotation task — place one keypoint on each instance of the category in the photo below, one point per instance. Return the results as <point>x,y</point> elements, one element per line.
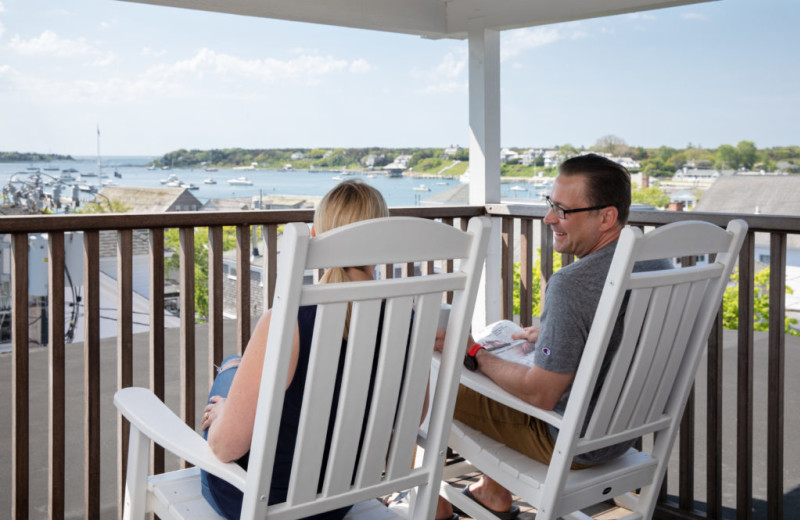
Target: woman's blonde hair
<point>350,201</point>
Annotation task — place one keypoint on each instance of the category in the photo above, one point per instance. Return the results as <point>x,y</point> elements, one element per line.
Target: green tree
<point>567,151</point>
<point>656,167</point>
<point>652,196</point>
<point>610,144</point>
<point>728,157</point>
<point>730,304</point>
<point>748,154</point>
<point>172,242</point>
<point>536,285</point>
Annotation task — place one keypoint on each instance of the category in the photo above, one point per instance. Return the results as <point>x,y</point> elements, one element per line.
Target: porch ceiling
<point>428,18</point>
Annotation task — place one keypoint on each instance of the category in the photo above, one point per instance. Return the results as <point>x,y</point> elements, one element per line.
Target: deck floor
<point>74,442</point>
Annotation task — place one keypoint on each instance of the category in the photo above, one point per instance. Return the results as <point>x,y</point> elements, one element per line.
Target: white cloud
<point>449,76</point>
<point>642,16</point>
<point>2,7</point>
<point>223,77</point>
<point>104,60</point>
<point>694,16</point>
<point>304,69</point>
<point>50,43</point>
<point>360,66</point>
<point>453,65</point>
<point>147,51</point>
<point>522,40</point>
<point>447,87</point>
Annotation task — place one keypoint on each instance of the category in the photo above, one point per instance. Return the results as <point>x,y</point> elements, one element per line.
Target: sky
<point>157,79</point>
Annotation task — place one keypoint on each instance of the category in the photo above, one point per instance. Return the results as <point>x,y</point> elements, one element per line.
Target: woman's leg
<point>220,387</point>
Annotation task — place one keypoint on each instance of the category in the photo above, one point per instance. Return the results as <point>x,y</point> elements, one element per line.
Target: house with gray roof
<point>152,200</point>
<point>757,195</point>
<point>262,202</point>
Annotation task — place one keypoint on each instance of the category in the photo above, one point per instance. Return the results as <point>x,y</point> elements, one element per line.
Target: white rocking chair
<point>356,473</point>
<point>666,326</point>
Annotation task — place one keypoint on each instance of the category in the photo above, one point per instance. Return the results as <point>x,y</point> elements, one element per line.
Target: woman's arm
<point>231,431</point>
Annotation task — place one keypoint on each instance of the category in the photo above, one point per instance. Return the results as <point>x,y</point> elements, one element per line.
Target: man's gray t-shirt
<point>571,300</point>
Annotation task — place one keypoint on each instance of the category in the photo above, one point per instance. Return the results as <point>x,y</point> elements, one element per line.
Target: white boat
<point>336,178</point>
<point>175,183</point>
<point>209,181</point>
<point>421,187</point>
<point>170,179</point>
<point>241,181</point>
<point>518,188</point>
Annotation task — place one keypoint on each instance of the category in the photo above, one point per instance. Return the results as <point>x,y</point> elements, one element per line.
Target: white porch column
<point>484,159</point>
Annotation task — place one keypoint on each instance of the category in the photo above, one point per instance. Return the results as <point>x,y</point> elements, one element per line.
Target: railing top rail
<point>105,221</point>
<point>757,223</point>
<point>55,223</point>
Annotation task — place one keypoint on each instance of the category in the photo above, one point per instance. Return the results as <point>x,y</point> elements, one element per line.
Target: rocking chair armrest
<point>148,414</point>
<point>483,385</point>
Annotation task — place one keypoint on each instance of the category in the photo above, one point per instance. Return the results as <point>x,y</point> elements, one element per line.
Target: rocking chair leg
<point>135,480</point>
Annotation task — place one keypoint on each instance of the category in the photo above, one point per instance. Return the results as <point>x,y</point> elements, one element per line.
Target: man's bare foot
<point>491,495</point>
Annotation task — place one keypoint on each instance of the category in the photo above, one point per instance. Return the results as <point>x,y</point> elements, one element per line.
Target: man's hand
<point>529,334</point>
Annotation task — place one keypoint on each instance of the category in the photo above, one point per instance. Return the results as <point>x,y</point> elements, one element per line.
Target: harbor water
<point>133,171</point>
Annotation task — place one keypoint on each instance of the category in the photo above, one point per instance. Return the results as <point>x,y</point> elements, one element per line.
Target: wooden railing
<point>678,503</point>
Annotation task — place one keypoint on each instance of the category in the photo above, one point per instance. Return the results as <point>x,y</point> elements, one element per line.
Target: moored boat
<point>240,181</point>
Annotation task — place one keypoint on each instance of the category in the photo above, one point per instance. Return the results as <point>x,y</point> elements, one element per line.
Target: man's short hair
<point>607,182</point>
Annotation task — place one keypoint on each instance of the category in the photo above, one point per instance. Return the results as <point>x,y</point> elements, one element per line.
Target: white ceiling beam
<point>429,18</point>
<point>420,17</point>
<point>465,15</point>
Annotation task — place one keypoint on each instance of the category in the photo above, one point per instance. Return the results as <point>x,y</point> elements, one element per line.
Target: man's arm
<point>537,386</point>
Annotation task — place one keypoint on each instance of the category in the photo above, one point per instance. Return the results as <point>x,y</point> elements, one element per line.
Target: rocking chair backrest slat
<point>368,415</point>
<point>387,389</point>
<point>666,322</point>
<point>634,318</point>
<point>360,355</point>
<point>414,386</point>
<point>320,383</point>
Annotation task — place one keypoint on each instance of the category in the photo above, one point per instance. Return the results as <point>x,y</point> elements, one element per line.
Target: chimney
<point>675,206</point>
<point>645,180</point>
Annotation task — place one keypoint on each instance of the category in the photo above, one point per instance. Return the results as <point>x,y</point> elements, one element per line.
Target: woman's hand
<point>438,343</point>
<point>212,411</point>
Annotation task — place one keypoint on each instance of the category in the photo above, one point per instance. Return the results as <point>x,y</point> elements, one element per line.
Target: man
<point>589,206</point>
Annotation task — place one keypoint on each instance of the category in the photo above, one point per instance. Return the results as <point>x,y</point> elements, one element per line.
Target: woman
<point>230,413</point>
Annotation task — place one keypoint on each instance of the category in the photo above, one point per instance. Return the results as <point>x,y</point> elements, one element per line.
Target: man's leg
<point>515,429</point>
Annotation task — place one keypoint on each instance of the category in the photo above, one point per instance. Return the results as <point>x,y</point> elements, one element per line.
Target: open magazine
<point>496,338</point>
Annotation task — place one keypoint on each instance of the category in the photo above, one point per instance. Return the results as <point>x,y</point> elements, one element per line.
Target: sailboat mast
<point>99,166</point>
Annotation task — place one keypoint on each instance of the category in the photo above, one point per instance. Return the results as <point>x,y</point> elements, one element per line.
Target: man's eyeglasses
<point>562,213</point>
